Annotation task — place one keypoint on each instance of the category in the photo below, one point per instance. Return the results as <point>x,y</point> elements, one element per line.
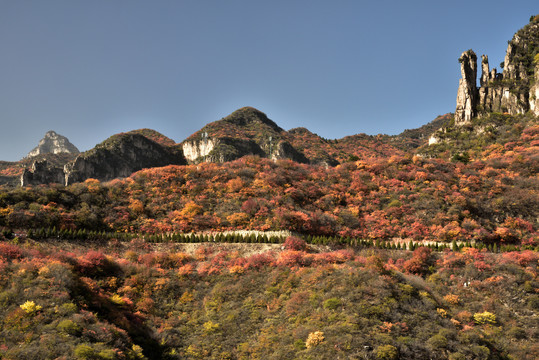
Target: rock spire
<point>515,91</point>
<point>467,92</point>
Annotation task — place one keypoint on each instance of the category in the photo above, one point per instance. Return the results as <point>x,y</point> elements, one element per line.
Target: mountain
<point>500,111</point>
<point>246,131</point>
<point>249,131</point>
<point>53,143</point>
<point>118,156</point>
<point>53,151</point>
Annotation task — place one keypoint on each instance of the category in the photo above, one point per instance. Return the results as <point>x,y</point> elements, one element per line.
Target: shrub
<point>387,352</point>
<point>420,262</point>
<point>517,332</point>
<point>69,327</point>
<point>10,252</point>
<point>452,299</point>
<point>117,299</point>
<point>293,258</point>
<point>94,263</point>
<point>441,312</point>
<point>480,352</point>
<point>30,307</point>
<point>137,352</point>
<point>295,243</point>
<point>210,326</point>
<point>258,261</point>
<point>437,342</point>
<point>533,302</point>
<point>314,339</point>
<point>332,303</point>
<point>84,351</point>
<point>484,318</point>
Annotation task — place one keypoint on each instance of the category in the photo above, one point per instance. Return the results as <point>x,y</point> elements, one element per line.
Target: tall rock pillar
<point>467,96</point>
<point>534,93</point>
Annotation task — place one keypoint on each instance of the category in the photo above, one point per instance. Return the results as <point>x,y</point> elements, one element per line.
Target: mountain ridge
<point>249,131</point>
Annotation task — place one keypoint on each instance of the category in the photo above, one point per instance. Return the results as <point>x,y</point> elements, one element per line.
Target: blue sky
<point>90,69</point>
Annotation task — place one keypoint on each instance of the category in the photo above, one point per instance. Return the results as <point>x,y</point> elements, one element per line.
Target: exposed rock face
<point>534,93</point>
<point>42,173</point>
<point>200,149</point>
<point>53,143</point>
<point>514,91</point>
<point>283,150</point>
<point>118,156</point>
<point>467,92</point>
<point>433,139</point>
<point>246,131</point>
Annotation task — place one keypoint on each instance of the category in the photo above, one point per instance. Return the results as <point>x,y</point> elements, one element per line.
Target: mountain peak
<point>53,143</point>
<point>249,115</point>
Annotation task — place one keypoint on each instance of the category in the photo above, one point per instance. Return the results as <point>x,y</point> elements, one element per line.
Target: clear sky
<point>90,69</point>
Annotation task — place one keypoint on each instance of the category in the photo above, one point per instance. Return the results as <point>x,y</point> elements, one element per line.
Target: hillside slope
<point>136,301</point>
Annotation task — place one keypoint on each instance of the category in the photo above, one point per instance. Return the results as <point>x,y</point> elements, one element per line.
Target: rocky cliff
<point>53,143</point>
<point>514,91</point>
<point>42,172</point>
<point>118,156</point>
<point>246,131</point>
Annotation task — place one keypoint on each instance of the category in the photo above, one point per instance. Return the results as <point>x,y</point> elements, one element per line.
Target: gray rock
<point>119,156</point>
<point>42,173</point>
<point>515,91</point>
<point>53,143</point>
<point>534,93</point>
<point>467,95</point>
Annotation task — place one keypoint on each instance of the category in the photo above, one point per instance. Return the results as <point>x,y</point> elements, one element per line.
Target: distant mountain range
<point>247,131</point>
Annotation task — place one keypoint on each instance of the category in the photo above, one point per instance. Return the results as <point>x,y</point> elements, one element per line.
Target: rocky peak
<point>247,131</point>
<point>467,92</point>
<point>247,115</point>
<point>53,143</point>
<point>514,91</point>
<point>118,156</point>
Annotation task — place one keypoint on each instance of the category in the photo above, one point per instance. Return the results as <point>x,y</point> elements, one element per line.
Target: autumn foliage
<point>132,300</point>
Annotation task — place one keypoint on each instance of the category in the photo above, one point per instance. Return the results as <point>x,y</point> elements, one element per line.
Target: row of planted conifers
<point>92,235</point>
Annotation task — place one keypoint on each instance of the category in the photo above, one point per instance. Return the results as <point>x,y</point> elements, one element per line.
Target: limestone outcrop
<point>534,92</point>
<point>515,91</point>
<point>118,156</point>
<point>53,143</point>
<point>467,92</point>
<point>42,172</point>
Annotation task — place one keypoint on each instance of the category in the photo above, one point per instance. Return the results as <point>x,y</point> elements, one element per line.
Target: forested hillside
<point>492,199</point>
